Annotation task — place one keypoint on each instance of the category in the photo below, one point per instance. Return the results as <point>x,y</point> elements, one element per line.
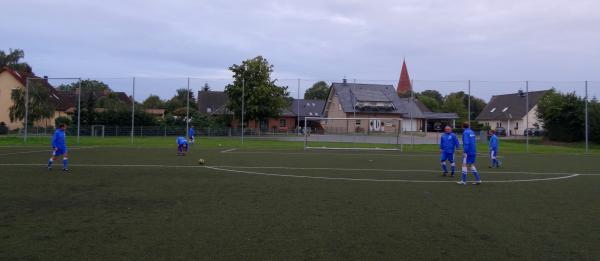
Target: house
<point>509,111</point>
<point>11,80</point>
<point>356,100</point>
<point>216,103</point>
<point>213,103</point>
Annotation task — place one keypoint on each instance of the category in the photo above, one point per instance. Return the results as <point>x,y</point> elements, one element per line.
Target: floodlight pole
<point>526,116</point>
<point>132,110</point>
<point>298,107</point>
<point>26,108</point>
<point>587,148</point>
<point>243,94</point>
<point>187,113</point>
<point>469,104</point>
<point>79,111</point>
<point>410,99</point>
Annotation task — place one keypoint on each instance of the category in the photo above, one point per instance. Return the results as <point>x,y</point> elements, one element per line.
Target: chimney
<point>344,81</point>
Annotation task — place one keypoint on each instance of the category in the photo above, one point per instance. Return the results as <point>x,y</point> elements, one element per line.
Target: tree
<point>11,60</point>
<point>562,116</point>
<point>153,102</point>
<point>594,120</point>
<point>430,103</point>
<point>206,87</point>
<point>263,98</point>
<point>435,95</point>
<point>39,105</point>
<point>454,103</point>
<point>87,86</point>
<point>180,100</point>
<point>319,91</point>
<point>112,102</point>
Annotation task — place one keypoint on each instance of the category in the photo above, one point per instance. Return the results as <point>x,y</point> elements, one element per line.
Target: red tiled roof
<point>61,102</point>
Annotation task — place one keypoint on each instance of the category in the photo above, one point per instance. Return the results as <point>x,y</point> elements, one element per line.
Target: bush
<point>3,128</point>
<point>562,115</point>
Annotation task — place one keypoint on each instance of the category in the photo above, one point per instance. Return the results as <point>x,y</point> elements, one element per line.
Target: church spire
<point>404,85</point>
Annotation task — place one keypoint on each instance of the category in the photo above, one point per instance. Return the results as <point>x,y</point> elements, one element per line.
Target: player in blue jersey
<point>493,146</point>
<point>59,147</point>
<point>448,145</point>
<point>191,133</point>
<point>182,146</point>
<point>469,155</point>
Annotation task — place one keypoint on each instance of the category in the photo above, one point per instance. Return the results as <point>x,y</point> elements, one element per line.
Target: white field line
<point>229,150</point>
<point>228,168</point>
<point>383,180</point>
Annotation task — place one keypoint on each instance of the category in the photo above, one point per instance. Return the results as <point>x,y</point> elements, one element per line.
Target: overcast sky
<point>508,40</point>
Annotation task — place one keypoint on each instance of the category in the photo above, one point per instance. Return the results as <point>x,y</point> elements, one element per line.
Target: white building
<point>509,111</point>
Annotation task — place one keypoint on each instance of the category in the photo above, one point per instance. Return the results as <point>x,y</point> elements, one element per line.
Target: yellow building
<point>11,80</point>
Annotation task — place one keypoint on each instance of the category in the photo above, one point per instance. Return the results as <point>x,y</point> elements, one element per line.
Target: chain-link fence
<point>145,106</point>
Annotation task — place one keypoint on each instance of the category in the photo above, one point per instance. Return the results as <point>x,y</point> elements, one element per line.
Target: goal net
<point>353,133</point>
<point>98,131</point>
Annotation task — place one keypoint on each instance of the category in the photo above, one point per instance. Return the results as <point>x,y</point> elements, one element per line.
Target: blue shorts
<point>59,151</point>
<point>449,156</point>
<point>192,137</point>
<point>469,158</point>
<point>182,147</point>
<point>493,153</point>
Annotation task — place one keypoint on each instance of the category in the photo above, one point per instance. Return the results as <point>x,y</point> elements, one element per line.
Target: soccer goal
<point>98,131</point>
<point>353,133</point>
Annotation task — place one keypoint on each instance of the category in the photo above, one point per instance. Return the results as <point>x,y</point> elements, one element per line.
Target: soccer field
<point>146,203</point>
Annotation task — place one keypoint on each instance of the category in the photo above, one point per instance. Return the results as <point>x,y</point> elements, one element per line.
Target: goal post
<point>353,133</point>
<point>97,131</point>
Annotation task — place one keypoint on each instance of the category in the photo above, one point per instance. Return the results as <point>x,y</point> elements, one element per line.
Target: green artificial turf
<point>146,203</point>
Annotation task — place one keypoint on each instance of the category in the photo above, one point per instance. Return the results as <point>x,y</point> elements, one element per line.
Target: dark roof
<point>308,108</point>
<point>351,93</point>
<point>509,106</point>
<point>215,101</point>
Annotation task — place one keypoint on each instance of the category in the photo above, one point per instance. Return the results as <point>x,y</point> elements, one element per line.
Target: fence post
<point>26,108</point>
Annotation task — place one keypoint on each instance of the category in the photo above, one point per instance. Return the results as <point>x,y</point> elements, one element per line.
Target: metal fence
<point>140,88</point>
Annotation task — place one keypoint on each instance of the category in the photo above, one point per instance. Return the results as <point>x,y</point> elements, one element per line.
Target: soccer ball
<point>201,162</point>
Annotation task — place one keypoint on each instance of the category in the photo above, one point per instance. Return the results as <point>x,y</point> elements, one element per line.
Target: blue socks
<point>445,168</point>
<point>464,176</point>
<point>50,162</point>
<point>453,169</point>
<point>65,163</point>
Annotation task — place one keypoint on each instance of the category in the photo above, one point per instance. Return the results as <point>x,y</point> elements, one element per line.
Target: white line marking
<point>382,180</point>
<point>293,168</point>
<point>229,150</point>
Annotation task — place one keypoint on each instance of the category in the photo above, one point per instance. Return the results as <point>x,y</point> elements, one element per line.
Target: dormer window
<point>505,109</point>
<point>493,110</point>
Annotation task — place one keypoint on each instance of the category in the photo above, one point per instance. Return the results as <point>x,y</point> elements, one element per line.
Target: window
<point>282,123</point>
<point>357,122</point>
<point>209,109</point>
<point>493,110</point>
<point>310,113</point>
<point>505,109</point>
<point>316,114</point>
<point>517,126</point>
<point>340,107</point>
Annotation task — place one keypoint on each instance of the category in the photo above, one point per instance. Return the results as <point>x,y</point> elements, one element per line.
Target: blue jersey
<point>181,141</point>
<point>494,142</point>
<point>449,142</point>
<point>469,142</point>
<point>192,132</point>
<point>58,140</point>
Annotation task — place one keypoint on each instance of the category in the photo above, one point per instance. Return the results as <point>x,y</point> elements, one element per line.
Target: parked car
<point>533,132</point>
<point>500,131</point>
